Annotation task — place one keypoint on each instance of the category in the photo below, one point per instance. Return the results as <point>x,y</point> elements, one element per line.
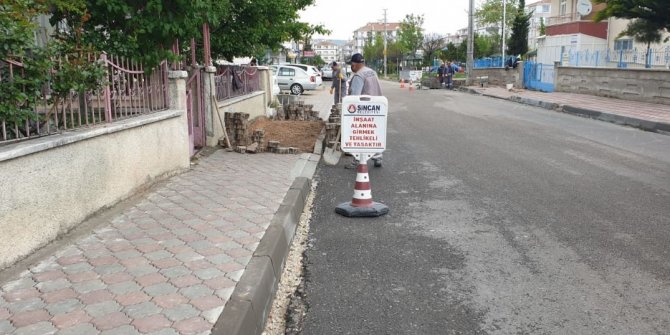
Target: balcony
<point>573,24</point>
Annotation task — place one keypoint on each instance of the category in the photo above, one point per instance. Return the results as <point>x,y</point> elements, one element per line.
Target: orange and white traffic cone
<point>361,204</point>
<point>402,83</point>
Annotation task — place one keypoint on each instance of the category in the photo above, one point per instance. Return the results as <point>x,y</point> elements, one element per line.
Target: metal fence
<point>601,57</point>
<point>488,62</point>
<point>128,91</point>
<point>234,80</point>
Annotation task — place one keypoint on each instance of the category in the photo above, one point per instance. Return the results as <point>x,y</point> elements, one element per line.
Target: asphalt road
<point>505,219</point>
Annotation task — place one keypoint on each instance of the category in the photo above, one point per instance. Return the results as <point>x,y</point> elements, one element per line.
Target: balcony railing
<point>562,19</point>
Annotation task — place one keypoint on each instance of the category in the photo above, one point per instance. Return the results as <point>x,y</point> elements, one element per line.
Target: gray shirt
<point>365,82</point>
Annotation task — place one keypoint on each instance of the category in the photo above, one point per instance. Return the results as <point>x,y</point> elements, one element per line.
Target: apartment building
<point>363,35</point>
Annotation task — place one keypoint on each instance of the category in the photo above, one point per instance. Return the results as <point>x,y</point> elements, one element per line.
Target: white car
<point>327,72</point>
<point>295,79</point>
<point>311,70</point>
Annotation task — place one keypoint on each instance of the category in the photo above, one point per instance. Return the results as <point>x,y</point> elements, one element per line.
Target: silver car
<point>295,79</point>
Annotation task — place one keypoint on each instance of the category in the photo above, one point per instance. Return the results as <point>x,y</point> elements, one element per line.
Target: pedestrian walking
<point>364,81</point>
<point>339,85</point>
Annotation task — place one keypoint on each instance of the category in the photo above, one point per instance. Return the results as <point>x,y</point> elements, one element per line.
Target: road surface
<point>505,219</point>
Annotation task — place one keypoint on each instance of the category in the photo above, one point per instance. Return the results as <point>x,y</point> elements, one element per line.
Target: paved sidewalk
<point>619,111</point>
<point>164,265</point>
<point>321,99</point>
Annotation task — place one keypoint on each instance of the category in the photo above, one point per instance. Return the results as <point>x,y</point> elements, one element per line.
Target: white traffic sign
<point>364,124</point>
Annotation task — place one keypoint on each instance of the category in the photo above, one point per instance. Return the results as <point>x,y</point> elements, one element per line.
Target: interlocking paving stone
<point>123,330</point>
<point>196,291</point>
<point>160,289</point>
<point>181,312</point>
<point>170,300</point>
<point>142,310</point>
<point>26,318</point>
<point>42,328</point>
<point>111,320</point>
<point>167,331</point>
<point>80,329</point>
<point>53,285</point>
<point>71,319</point>
<point>89,286</point>
<point>65,306</point>
<point>101,309</point>
<point>26,305</point>
<point>6,327</point>
<point>152,324</point>
<point>124,287</point>
<point>168,253</point>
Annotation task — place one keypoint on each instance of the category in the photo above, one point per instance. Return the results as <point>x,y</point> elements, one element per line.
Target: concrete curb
<point>535,102</point>
<point>656,127</point>
<point>247,309</point>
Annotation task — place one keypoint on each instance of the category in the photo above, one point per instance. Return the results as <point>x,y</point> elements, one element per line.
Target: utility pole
<point>385,44</point>
<point>503,30</point>
<point>471,43</point>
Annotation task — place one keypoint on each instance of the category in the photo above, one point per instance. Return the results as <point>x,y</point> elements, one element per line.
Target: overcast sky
<point>342,17</point>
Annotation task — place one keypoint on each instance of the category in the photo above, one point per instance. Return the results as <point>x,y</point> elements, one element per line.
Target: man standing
<point>441,72</point>
<point>339,85</point>
<point>450,75</point>
<point>364,81</point>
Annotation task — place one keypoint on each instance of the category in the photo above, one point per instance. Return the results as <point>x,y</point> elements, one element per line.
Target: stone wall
<point>500,77</point>
<point>647,85</point>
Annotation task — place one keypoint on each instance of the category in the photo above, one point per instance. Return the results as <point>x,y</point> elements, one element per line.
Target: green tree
<point>374,50</point>
<point>146,30</point>
<point>543,27</point>
<point>655,12</point>
<point>454,52</point>
<point>489,12</point>
<point>410,35</point>
<point>518,41</point>
<point>643,31</point>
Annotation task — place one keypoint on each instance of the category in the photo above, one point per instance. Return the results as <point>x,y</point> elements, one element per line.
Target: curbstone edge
<point>246,311</point>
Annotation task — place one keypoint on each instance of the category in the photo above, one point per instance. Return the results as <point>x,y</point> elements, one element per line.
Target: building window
<point>545,9</point>
<point>623,44</point>
<point>563,7</point>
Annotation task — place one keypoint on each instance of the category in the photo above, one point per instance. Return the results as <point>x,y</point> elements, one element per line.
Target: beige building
<point>328,51</point>
<point>575,39</point>
<point>541,12</point>
<point>363,35</point>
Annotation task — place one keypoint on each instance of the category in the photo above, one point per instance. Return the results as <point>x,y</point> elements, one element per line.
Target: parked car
<point>311,70</point>
<point>327,72</point>
<point>295,79</point>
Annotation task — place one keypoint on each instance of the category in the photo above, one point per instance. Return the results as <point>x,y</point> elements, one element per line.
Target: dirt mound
<point>299,134</point>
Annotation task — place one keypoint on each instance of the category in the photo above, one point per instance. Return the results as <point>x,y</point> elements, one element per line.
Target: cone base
<point>376,210</point>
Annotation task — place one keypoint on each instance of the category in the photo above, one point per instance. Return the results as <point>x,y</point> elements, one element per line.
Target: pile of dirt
<point>298,134</point>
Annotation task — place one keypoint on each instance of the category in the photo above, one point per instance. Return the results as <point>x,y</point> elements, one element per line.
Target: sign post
<point>364,120</point>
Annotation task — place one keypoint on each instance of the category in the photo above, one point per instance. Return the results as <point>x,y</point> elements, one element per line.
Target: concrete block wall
<point>500,77</point>
<point>52,184</point>
<point>647,85</point>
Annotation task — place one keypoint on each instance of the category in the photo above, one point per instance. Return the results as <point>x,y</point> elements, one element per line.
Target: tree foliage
<point>489,12</point>
<point>146,30</point>
<point>518,41</point>
<point>655,12</point>
<point>410,35</point>
<point>432,45</point>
